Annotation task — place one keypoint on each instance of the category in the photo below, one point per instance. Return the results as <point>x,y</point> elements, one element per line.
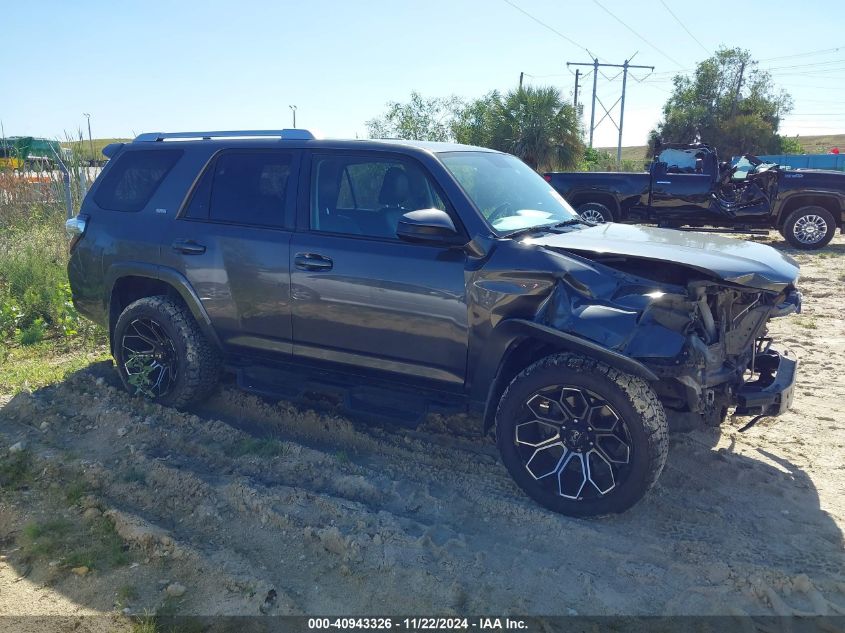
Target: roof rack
<point>286,134</point>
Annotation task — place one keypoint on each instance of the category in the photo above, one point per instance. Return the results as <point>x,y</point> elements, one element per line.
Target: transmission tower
<point>621,100</point>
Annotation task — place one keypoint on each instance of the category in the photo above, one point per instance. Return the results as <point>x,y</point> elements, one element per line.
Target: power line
<point>794,85</point>
<point>808,53</point>
<point>546,26</point>
<point>808,65</point>
<point>683,26</point>
<point>810,73</point>
<point>606,10</point>
<point>621,100</point>
<point>545,76</point>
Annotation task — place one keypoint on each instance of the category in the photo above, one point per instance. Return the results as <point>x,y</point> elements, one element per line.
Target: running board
<point>734,230</point>
<point>327,391</point>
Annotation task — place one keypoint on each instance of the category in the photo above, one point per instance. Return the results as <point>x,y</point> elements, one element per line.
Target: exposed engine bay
<point>704,338</point>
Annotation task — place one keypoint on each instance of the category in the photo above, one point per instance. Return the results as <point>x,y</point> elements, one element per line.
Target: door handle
<point>663,182</point>
<point>312,261</point>
<point>188,247</point>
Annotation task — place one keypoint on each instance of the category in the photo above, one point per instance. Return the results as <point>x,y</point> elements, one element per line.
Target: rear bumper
<point>771,394</point>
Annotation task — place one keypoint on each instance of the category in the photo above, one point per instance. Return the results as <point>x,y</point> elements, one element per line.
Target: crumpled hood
<point>736,261</point>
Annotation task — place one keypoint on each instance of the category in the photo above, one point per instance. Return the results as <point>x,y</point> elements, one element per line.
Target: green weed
<point>45,539</point>
<point>75,490</point>
<point>33,333</point>
<point>260,447</point>
<point>126,594</point>
<point>16,470</point>
<point>95,545</point>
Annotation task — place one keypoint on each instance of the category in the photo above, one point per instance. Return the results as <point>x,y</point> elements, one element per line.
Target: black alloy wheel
<point>149,358</point>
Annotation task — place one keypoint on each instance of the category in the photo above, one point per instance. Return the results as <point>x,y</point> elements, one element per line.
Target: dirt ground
<point>258,507</point>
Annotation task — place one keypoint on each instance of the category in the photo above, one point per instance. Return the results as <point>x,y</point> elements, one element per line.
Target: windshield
<point>750,164</point>
<point>510,195</point>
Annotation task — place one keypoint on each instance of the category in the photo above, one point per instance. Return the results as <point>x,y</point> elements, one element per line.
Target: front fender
<point>486,386</point>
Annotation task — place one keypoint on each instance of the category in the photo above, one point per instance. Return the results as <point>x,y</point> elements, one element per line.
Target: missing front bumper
<point>771,394</point>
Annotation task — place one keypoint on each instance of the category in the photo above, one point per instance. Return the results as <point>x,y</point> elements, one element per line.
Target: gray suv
<point>413,276</point>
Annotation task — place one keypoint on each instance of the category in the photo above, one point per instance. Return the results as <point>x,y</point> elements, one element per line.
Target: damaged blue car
<point>404,275</point>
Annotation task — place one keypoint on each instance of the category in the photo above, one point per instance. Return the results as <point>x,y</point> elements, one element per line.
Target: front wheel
<point>580,437</point>
<point>809,228</point>
<point>161,353</point>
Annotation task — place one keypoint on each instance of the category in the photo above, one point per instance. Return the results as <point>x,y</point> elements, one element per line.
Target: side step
<point>737,230</point>
<point>333,392</point>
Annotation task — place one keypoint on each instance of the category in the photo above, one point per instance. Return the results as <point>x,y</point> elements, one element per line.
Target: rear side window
<point>250,188</point>
<point>244,188</point>
<point>132,181</point>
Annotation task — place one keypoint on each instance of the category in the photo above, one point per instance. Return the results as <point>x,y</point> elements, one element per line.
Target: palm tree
<point>541,129</point>
<point>532,123</point>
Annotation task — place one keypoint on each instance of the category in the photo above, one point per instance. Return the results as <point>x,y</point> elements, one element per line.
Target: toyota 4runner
<point>428,275</point>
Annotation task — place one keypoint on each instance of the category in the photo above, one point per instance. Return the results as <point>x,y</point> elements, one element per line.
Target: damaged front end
<point>704,338</point>
<point>751,195</point>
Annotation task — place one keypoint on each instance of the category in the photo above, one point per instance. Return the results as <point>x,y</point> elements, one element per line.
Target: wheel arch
<point>830,202</point>
<point>584,197</point>
<point>129,282</point>
<point>517,343</point>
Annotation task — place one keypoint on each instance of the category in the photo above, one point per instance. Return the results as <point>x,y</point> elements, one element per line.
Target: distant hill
<point>84,147</point>
<point>811,145</point>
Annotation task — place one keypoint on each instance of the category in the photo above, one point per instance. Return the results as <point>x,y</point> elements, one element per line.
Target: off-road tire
<point>198,362</point>
<point>788,229</point>
<point>593,209</point>
<point>633,399</point>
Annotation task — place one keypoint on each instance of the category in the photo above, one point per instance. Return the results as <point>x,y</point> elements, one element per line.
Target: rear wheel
<point>161,353</point>
<point>809,228</point>
<point>580,437</point>
<point>595,213</point>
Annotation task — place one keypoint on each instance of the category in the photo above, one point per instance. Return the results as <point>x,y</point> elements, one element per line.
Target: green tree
<point>729,103</point>
<point>419,119</point>
<point>534,124</point>
<point>790,145</point>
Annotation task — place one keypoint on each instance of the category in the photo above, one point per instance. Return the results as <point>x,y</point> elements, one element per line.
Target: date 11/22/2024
<point>418,623</point>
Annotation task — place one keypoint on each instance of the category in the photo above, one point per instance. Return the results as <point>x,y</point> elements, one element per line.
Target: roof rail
<point>286,134</point>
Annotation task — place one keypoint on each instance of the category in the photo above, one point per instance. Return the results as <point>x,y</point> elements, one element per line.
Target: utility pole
<point>577,76</point>
<point>621,112</point>
<point>293,109</point>
<point>738,87</point>
<point>90,140</point>
<point>593,108</point>
<point>593,125</point>
<point>520,80</point>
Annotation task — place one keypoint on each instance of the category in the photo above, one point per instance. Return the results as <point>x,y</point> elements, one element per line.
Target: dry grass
<point>811,145</point>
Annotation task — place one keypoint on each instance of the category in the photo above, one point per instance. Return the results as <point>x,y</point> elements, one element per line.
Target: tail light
<point>75,229</point>
<point>547,177</point>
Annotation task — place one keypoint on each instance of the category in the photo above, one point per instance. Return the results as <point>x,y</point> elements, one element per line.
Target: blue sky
<point>186,65</point>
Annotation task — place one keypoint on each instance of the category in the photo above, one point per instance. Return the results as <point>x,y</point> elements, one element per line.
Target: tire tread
<point>202,360</point>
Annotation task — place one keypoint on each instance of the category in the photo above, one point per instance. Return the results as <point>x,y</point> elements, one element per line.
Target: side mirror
<point>428,226</point>
<point>659,169</point>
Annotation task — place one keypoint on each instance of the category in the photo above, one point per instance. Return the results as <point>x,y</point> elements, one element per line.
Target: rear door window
<point>134,178</point>
<point>245,187</point>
